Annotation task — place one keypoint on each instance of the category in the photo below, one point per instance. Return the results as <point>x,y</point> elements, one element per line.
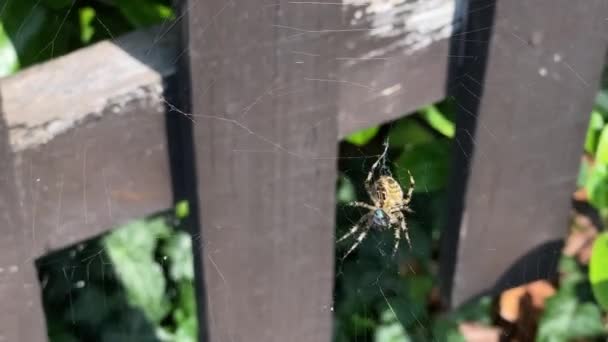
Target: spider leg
<point>397,239</point>
<point>370,175</point>
<point>359,240</point>
<point>361,205</point>
<point>410,190</point>
<point>354,229</point>
<point>404,229</point>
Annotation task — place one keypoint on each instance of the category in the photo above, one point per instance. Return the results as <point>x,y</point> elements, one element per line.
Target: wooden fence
<point>98,137</point>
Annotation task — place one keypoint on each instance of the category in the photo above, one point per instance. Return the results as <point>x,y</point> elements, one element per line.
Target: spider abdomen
<point>388,192</point>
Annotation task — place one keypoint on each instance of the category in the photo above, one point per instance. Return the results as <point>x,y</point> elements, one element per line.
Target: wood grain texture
<point>266,169</point>
<point>383,69</point>
<point>94,177</point>
<point>82,84</point>
<point>21,317</point>
<point>102,173</point>
<point>520,130</point>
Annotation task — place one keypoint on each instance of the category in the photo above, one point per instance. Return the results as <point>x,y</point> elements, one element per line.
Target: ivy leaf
<point>178,248</point>
<point>598,270</point>
<point>131,250</point>
<point>565,319</point>
<point>362,137</point>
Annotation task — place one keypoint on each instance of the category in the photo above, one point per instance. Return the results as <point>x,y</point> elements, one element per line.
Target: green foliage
<point>182,209</point>
<point>9,62</point>
<point>571,313</point>
<point>428,163</point>
<point>596,125</point>
<point>135,281</point>
<point>131,251</point>
<point>373,300</point>
<point>36,31</point>
<point>438,121</point>
<point>363,136</point>
<point>566,318</point>
<point>598,270</point>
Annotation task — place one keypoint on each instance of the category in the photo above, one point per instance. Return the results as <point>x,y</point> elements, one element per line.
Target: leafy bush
<point>135,282</point>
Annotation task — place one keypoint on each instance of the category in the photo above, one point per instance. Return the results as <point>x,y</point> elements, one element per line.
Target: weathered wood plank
<point>104,171</point>
<point>393,58</point>
<point>521,124</point>
<point>21,317</point>
<point>266,168</point>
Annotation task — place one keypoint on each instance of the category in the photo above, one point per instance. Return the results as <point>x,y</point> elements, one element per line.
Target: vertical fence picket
<point>521,120</point>
<point>265,145</point>
<point>21,317</point>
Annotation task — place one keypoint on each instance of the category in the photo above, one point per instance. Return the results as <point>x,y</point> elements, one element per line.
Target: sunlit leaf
<point>143,13</point>
<point>9,63</point>
<point>596,123</point>
<point>182,209</point>
<point>131,250</point>
<point>87,30</point>
<point>438,121</point>
<point>601,154</point>
<point>362,137</point>
<point>178,249</point>
<point>597,186</point>
<point>598,270</point>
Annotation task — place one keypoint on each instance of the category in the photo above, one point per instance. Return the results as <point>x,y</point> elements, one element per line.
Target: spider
<point>387,211</point>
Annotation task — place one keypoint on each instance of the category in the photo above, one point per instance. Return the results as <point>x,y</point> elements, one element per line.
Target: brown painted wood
<point>521,125</point>
<point>380,76</point>
<point>21,317</point>
<point>103,172</point>
<point>266,169</point>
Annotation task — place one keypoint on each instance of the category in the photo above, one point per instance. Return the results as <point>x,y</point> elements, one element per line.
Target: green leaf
<point>178,248</point>
<point>182,209</point>
<point>445,330</point>
<point>583,173</point>
<point>143,13</point>
<point>597,186</point>
<point>87,30</point>
<point>601,155</point>
<point>596,123</point>
<point>409,132</point>
<point>565,319</point>
<point>598,270</point>
<point>39,31</point>
<point>428,163</point>
<point>363,136</point>
<point>131,250</point>
<point>571,274</point>
<point>438,121</point>
<point>9,63</point>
